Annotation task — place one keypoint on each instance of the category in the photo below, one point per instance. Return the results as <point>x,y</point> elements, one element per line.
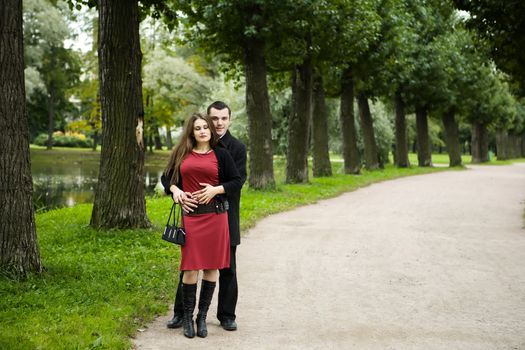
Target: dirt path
<point>425,262</point>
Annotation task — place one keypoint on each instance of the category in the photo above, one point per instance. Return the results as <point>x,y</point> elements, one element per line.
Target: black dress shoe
<point>175,322</point>
<point>229,325</point>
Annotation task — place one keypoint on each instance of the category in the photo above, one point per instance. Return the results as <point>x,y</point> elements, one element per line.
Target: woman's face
<point>201,131</point>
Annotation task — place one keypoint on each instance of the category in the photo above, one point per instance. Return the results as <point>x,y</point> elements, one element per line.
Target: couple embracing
<point>205,174</point>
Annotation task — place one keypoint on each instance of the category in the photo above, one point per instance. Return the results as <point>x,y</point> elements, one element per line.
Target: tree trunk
<point>501,144</point>
<point>119,197</point>
<point>259,118</point>
<point>522,146</point>
<point>367,128</point>
<point>299,124</point>
<point>516,146</point>
<point>97,117</point>
<point>424,155</point>
<point>19,253</point>
<point>50,117</point>
<point>401,154</point>
<point>350,152</point>
<point>452,137</point>
<point>158,142</point>
<point>95,140</point>
<point>169,140</point>
<point>480,143</point>
<point>321,155</point>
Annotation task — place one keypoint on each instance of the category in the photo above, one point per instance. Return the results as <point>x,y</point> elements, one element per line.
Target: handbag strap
<point>171,212</point>
<point>177,217</point>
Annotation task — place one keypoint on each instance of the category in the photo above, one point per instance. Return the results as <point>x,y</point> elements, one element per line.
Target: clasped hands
<point>190,200</point>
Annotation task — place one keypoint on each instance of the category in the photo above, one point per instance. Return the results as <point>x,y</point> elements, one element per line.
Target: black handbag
<point>174,232</point>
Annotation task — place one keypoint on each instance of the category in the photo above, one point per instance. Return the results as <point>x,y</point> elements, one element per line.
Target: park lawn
<point>438,158</point>
<point>442,158</point>
<point>99,287</point>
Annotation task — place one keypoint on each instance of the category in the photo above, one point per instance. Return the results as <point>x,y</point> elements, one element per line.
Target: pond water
<point>67,178</point>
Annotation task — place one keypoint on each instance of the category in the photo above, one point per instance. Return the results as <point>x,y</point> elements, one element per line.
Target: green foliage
<point>435,133</point>
<point>52,68</point>
<point>157,9</point>
<point>500,23</point>
<point>490,101</point>
<point>281,105</point>
<point>383,129</point>
<point>65,140</point>
<point>233,95</point>
<point>173,89</point>
<point>98,287</point>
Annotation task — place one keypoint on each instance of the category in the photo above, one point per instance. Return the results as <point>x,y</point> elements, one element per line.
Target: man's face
<point>221,120</point>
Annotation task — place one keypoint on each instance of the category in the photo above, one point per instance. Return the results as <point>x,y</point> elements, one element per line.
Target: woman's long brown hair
<point>186,143</point>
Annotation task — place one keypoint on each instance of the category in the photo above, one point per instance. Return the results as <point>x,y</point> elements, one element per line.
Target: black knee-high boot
<point>207,289</point>
<point>189,294</point>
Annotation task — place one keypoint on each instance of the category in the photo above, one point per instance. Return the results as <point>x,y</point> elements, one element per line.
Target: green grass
<point>443,158</point>
<point>100,286</point>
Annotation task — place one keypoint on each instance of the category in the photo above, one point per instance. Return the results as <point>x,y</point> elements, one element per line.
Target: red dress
<point>207,235</point>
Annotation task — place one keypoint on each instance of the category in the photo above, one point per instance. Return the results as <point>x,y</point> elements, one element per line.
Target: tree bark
<point>95,140</point>
<point>299,124</point>
<point>424,155</point>
<point>156,138</point>
<point>259,117</point>
<point>19,252</point>
<point>347,117</point>
<point>401,153</point>
<point>119,197</point>
<point>501,144</point>
<point>50,116</point>
<point>169,140</point>
<point>480,143</point>
<point>516,146</point>
<point>94,123</point>
<point>452,137</point>
<point>521,144</point>
<point>367,128</point>
<point>321,154</point>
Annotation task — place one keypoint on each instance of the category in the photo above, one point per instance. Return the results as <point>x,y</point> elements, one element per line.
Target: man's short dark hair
<point>219,105</point>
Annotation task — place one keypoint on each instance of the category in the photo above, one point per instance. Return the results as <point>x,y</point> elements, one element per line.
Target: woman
<point>198,176</point>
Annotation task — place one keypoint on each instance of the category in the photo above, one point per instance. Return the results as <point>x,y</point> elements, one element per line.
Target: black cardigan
<point>238,152</point>
<point>229,177</point>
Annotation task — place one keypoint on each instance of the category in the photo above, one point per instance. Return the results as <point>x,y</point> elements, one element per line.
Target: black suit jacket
<point>238,152</point>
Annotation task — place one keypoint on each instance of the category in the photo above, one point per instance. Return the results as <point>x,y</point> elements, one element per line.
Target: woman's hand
<point>185,199</point>
<point>205,195</point>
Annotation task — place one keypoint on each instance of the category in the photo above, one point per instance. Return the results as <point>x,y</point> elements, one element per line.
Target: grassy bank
<point>99,287</point>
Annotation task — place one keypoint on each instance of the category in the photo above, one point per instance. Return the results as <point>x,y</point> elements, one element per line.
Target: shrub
<point>68,139</point>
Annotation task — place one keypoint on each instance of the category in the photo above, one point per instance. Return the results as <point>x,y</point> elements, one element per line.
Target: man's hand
<point>205,195</point>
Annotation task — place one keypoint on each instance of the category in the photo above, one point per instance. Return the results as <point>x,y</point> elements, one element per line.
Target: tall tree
<point>345,36</point>
<point>401,156</point>
<point>119,197</point>
<point>19,251</point>
<point>299,123</point>
<point>238,33</point>
<point>371,155</point>
<point>352,163</point>
<point>427,79</point>
<point>320,151</point>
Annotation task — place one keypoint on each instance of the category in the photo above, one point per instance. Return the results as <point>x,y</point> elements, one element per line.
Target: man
<point>220,114</point>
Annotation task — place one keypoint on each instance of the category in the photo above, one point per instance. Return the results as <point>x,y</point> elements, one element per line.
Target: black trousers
<point>228,291</point>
